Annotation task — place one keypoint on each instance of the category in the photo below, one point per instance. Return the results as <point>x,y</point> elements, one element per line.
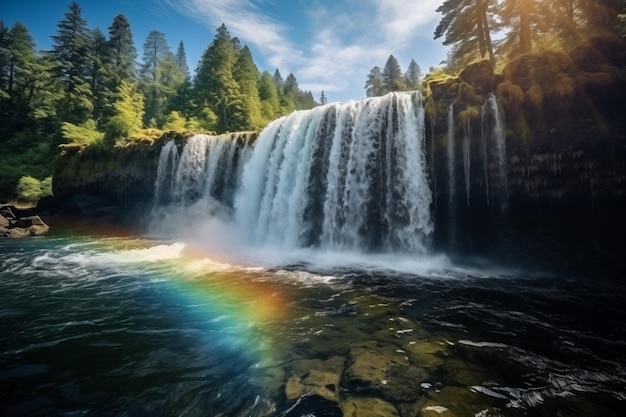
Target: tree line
<point>391,78</point>
<point>484,29</point>
<point>508,28</point>
<point>90,88</point>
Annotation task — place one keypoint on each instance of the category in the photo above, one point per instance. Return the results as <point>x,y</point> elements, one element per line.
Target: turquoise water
<point>93,325</point>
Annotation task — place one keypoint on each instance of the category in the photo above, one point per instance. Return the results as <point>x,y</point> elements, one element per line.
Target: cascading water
<point>451,178</point>
<point>484,146</point>
<point>205,173</point>
<point>342,176</point>
<point>499,146</point>
<point>467,159</point>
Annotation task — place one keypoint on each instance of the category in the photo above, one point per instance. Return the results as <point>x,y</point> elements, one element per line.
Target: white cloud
<point>401,20</point>
<point>244,20</point>
<point>337,42</point>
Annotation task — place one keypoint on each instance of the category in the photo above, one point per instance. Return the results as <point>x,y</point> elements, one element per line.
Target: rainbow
<point>238,305</point>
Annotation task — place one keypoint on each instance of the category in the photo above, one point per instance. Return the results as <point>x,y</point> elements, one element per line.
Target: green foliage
<point>31,190</point>
<point>245,74</point>
<point>46,187</point>
<point>28,189</point>
<point>412,76</point>
<point>216,88</point>
<point>85,134</point>
<point>374,84</point>
<point>466,25</point>
<point>268,93</point>
<point>392,75</point>
<point>174,121</point>
<point>71,54</point>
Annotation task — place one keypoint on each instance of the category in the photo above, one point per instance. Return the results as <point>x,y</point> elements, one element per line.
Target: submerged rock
<point>367,407</point>
<point>383,371</point>
<point>315,376</point>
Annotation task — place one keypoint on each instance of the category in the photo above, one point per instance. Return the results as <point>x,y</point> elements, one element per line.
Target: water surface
<point>93,325</point>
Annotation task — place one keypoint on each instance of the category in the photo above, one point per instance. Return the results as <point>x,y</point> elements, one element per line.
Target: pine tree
<point>413,75</point>
<point>392,76</point>
<point>100,74</point>
<point>374,84</point>
<point>278,80</point>
<point>215,86</point>
<point>246,74</point>
<point>155,49</point>
<point>529,20</point>
<point>122,51</point>
<point>268,93</point>
<point>70,52</point>
<point>181,59</point>
<point>128,117</point>
<point>19,72</point>
<point>155,52</point>
<point>467,26</point>
<point>323,99</point>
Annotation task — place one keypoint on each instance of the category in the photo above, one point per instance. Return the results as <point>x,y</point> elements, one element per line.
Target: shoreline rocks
<point>16,223</point>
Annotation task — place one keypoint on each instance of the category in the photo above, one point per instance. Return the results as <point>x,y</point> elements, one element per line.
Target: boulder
<point>16,233</point>
<point>480,76</point>
<point>13,226</point>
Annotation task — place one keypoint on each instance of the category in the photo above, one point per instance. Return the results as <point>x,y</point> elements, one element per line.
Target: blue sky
<point>328,45</point>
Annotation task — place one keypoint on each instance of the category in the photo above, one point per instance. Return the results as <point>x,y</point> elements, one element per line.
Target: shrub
<point>28,189</point>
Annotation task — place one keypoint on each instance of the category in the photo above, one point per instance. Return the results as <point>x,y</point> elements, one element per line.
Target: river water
<point>134,326</point>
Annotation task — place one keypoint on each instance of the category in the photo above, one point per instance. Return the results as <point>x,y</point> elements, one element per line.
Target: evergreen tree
<point>268,93</point>
<point>529,22</point>
<point>19,73</point>
<point>128,115</point>
<point>70,52</point>
<point>413,75</point>
<point>278,80</point>
<point>122,52</point>
<point>289,96</point>
<point>155,49</point>
<point>374,84</point>
<point>323,99</point>
<point>181,59</point>
<point>153,72</point>
<point>215,86</point>
<point>467,26</point>
<point>246,74</point>
<point>100,74</point>
<point>392,76</point>
<point>305,100</point>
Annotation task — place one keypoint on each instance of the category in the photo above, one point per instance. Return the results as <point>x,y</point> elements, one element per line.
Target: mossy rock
<point>480,76</point>
<point>353,406</point>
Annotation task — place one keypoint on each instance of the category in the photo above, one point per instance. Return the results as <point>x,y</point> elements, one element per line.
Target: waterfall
<point>467,159</point>
<point>451,178</point>
<point>341,176</point>
<point>166,173</point>
<point>484,140</point>
<point>499,139</point>
<point>202,172</point>
<point>207,166</point>
<point>451,159</point>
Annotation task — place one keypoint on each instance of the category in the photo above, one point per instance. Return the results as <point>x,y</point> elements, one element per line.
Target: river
<point>135,326</point>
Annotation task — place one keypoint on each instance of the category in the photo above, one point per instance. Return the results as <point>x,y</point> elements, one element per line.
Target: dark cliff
<point>565,157</point>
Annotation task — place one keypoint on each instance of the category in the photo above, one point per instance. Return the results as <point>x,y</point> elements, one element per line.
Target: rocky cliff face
<point>565,156</point>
